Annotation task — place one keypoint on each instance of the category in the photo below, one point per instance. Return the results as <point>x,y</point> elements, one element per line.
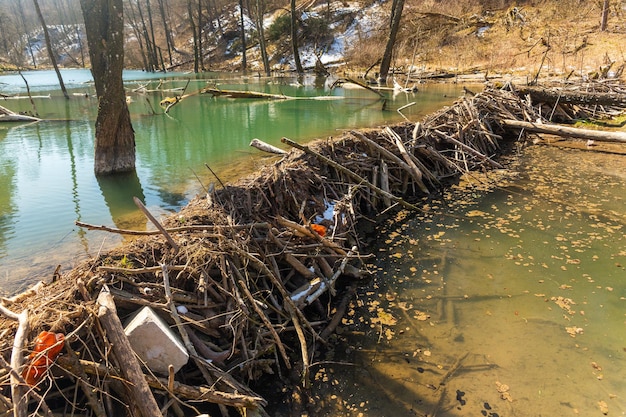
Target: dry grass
<point>553,38</point>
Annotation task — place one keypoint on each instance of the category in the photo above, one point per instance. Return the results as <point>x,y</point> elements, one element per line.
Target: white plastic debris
<point>154,342</point>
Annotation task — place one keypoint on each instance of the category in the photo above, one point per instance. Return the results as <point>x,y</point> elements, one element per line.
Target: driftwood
<point>266,147</point>
<point>7,115</point>
<point>140,391</point>
<point>242,94</point>
<point>566,131</point>
<point>18,387</point>
<point>552,95</point>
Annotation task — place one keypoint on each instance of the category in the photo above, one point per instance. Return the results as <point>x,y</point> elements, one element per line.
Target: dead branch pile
<point>567,103</point>
<point>253,277</point>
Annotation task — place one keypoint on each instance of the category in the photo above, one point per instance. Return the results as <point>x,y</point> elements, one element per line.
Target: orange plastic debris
<point>48,345</point>
<point>319,229</point>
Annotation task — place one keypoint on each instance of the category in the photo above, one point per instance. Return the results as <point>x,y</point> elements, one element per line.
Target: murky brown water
<point>507,300</point>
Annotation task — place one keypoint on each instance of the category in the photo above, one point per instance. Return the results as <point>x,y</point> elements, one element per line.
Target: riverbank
<point>256,264</point>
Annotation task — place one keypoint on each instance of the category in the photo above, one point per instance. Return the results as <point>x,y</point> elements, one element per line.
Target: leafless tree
<point>51,54</point>
<point>294,38</point>
<point>396,15</point>
<point>605,15</point>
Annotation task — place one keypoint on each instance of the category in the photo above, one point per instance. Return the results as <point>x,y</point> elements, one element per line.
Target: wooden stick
<point>468,149</point>
<point>18,388</point>
<point>266,147</point>
<point>415,172</point>
<point>192,228</point>
<point>131,369</point>
<point>81,376</point>
<point>196,393</point>
<point>309,233</point>
<point>33,393</point>
<point>383,151</point>
<point>566,131</point>
<point>350,174</point>
<point>156,223</point>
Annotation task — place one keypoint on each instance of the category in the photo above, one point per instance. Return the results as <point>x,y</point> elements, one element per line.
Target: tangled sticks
<point>253,277</point>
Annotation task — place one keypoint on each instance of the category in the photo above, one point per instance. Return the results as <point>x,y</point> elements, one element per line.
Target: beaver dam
<point>251,279</point>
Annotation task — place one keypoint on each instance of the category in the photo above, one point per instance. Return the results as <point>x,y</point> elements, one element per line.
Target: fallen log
<point>266,147</point>
<point>566,131</point>
<point>7,115</point>
<point>551,95</point>
<point>138,387</point>
<point>242,94</point>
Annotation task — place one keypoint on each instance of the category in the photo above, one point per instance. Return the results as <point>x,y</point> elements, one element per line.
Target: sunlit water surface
<point>507,300</point>
<point>46,169</point>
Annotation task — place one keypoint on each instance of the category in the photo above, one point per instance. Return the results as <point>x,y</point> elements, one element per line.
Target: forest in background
<point>558,37</point>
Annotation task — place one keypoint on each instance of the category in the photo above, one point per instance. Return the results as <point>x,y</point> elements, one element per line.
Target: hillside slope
<point>525,38</point>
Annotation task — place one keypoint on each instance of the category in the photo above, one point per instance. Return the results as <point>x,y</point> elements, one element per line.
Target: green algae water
<point>507,297</point>
<point>46,168</point>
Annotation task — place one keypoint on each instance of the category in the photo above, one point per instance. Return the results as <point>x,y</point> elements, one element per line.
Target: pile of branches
<point>253,277</point>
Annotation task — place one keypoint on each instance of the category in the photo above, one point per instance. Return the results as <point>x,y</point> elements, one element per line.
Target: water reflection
<point>48,178</point>
<point>118,191</point>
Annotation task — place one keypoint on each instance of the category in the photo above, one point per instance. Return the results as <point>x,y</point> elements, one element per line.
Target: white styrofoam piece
<point>154,342</point>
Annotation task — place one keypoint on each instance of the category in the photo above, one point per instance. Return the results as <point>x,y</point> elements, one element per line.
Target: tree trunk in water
<point>115,138</point>
<point>49,47</point>
<point>294,38</point>
<point>605,15</point>
<point>396,15</point>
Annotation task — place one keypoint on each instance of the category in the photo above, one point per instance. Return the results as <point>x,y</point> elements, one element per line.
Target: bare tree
<point>396,15</point>
<point>196,38</point>
<point>244,63</point>
<point>166,29</point>
<point>260,10</point>
<point>53,59</point>
<point>605,15</point>
<point>115,138</point>
<point>294,37</point>
<point>25,29</point>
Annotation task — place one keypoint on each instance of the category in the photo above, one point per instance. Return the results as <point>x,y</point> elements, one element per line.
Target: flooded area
<point>46,169</point>
<point>507,297</point>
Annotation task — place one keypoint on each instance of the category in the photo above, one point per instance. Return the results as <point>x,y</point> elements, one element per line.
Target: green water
<point>509,299</point>
<point>46,169</point>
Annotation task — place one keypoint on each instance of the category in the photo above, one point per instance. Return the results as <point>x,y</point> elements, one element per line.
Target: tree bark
<point>396,15</point>
<point>115,138</point>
